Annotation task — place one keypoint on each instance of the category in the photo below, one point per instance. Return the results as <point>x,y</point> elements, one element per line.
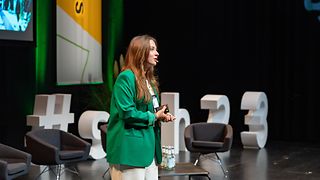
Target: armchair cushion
<point>14,168</point>
<point>207,144</point>
<point>65,155</point>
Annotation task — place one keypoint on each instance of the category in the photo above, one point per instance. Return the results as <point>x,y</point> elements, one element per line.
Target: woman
<point>133,140</point>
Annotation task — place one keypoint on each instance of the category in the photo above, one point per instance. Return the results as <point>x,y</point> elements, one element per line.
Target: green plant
<point>99,98</point>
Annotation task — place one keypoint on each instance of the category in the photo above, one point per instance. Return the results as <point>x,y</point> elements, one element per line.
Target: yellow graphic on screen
<point>83,12</point>
<point>79,54</point>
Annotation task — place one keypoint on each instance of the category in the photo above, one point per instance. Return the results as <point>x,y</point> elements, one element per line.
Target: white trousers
<point>123,172</point>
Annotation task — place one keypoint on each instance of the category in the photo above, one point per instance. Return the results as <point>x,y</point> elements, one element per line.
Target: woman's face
<point>153,54</point>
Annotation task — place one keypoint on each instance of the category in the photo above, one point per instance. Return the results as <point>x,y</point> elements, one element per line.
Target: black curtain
<point>229,47</point>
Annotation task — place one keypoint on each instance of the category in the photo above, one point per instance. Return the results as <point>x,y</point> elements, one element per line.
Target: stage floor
<point>276,161</point>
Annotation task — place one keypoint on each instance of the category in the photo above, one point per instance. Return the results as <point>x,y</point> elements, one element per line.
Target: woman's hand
<point>165,117</point>
<point>170,117</point>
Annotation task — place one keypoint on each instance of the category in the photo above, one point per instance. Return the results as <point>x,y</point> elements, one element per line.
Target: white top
<point>154,97</point>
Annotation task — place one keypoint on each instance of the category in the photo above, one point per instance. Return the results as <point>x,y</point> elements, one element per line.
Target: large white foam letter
<point>172,133</point>
<point>256,119</point>
<point>88,128</point>
<point>219,108</point>
<point>51,112</point>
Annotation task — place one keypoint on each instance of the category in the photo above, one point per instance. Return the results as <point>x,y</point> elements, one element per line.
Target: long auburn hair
<point>135,60</point>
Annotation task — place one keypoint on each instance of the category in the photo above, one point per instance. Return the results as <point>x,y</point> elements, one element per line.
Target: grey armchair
<point>205,138</point>
<point>54,147</point>
<point>13,162</point>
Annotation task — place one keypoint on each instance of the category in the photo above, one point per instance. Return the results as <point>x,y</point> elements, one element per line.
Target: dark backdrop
<point>229,47</point>
<point>206,47</point>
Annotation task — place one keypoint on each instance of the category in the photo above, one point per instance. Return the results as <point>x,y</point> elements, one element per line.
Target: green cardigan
<point>133,137</point>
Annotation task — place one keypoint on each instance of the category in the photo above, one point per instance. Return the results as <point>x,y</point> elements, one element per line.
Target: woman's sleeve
<point>125,100</point>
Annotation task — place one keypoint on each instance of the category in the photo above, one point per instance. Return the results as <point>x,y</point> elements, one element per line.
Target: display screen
<point>79,42</point>
<point>17,20</point>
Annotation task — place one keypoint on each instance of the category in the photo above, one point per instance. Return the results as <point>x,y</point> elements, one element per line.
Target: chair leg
<point>105,172</point>
<point>59,172</point>
<point>221,165</point>
<point>72,170</point>
<point>43,171</point>
<point>197,160</point>
<point>56,172</point>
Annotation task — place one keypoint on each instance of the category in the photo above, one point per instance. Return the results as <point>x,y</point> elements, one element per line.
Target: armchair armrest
<point>188,137</point>
<point>10,152</point>
<point>3,169</point>
<point>229,136</point>
<point>41,151</point>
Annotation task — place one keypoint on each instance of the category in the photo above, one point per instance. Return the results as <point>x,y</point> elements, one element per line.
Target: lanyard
<point>155,102</point>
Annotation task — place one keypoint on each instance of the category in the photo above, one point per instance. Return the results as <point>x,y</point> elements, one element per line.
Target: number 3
<point>256,119</point>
